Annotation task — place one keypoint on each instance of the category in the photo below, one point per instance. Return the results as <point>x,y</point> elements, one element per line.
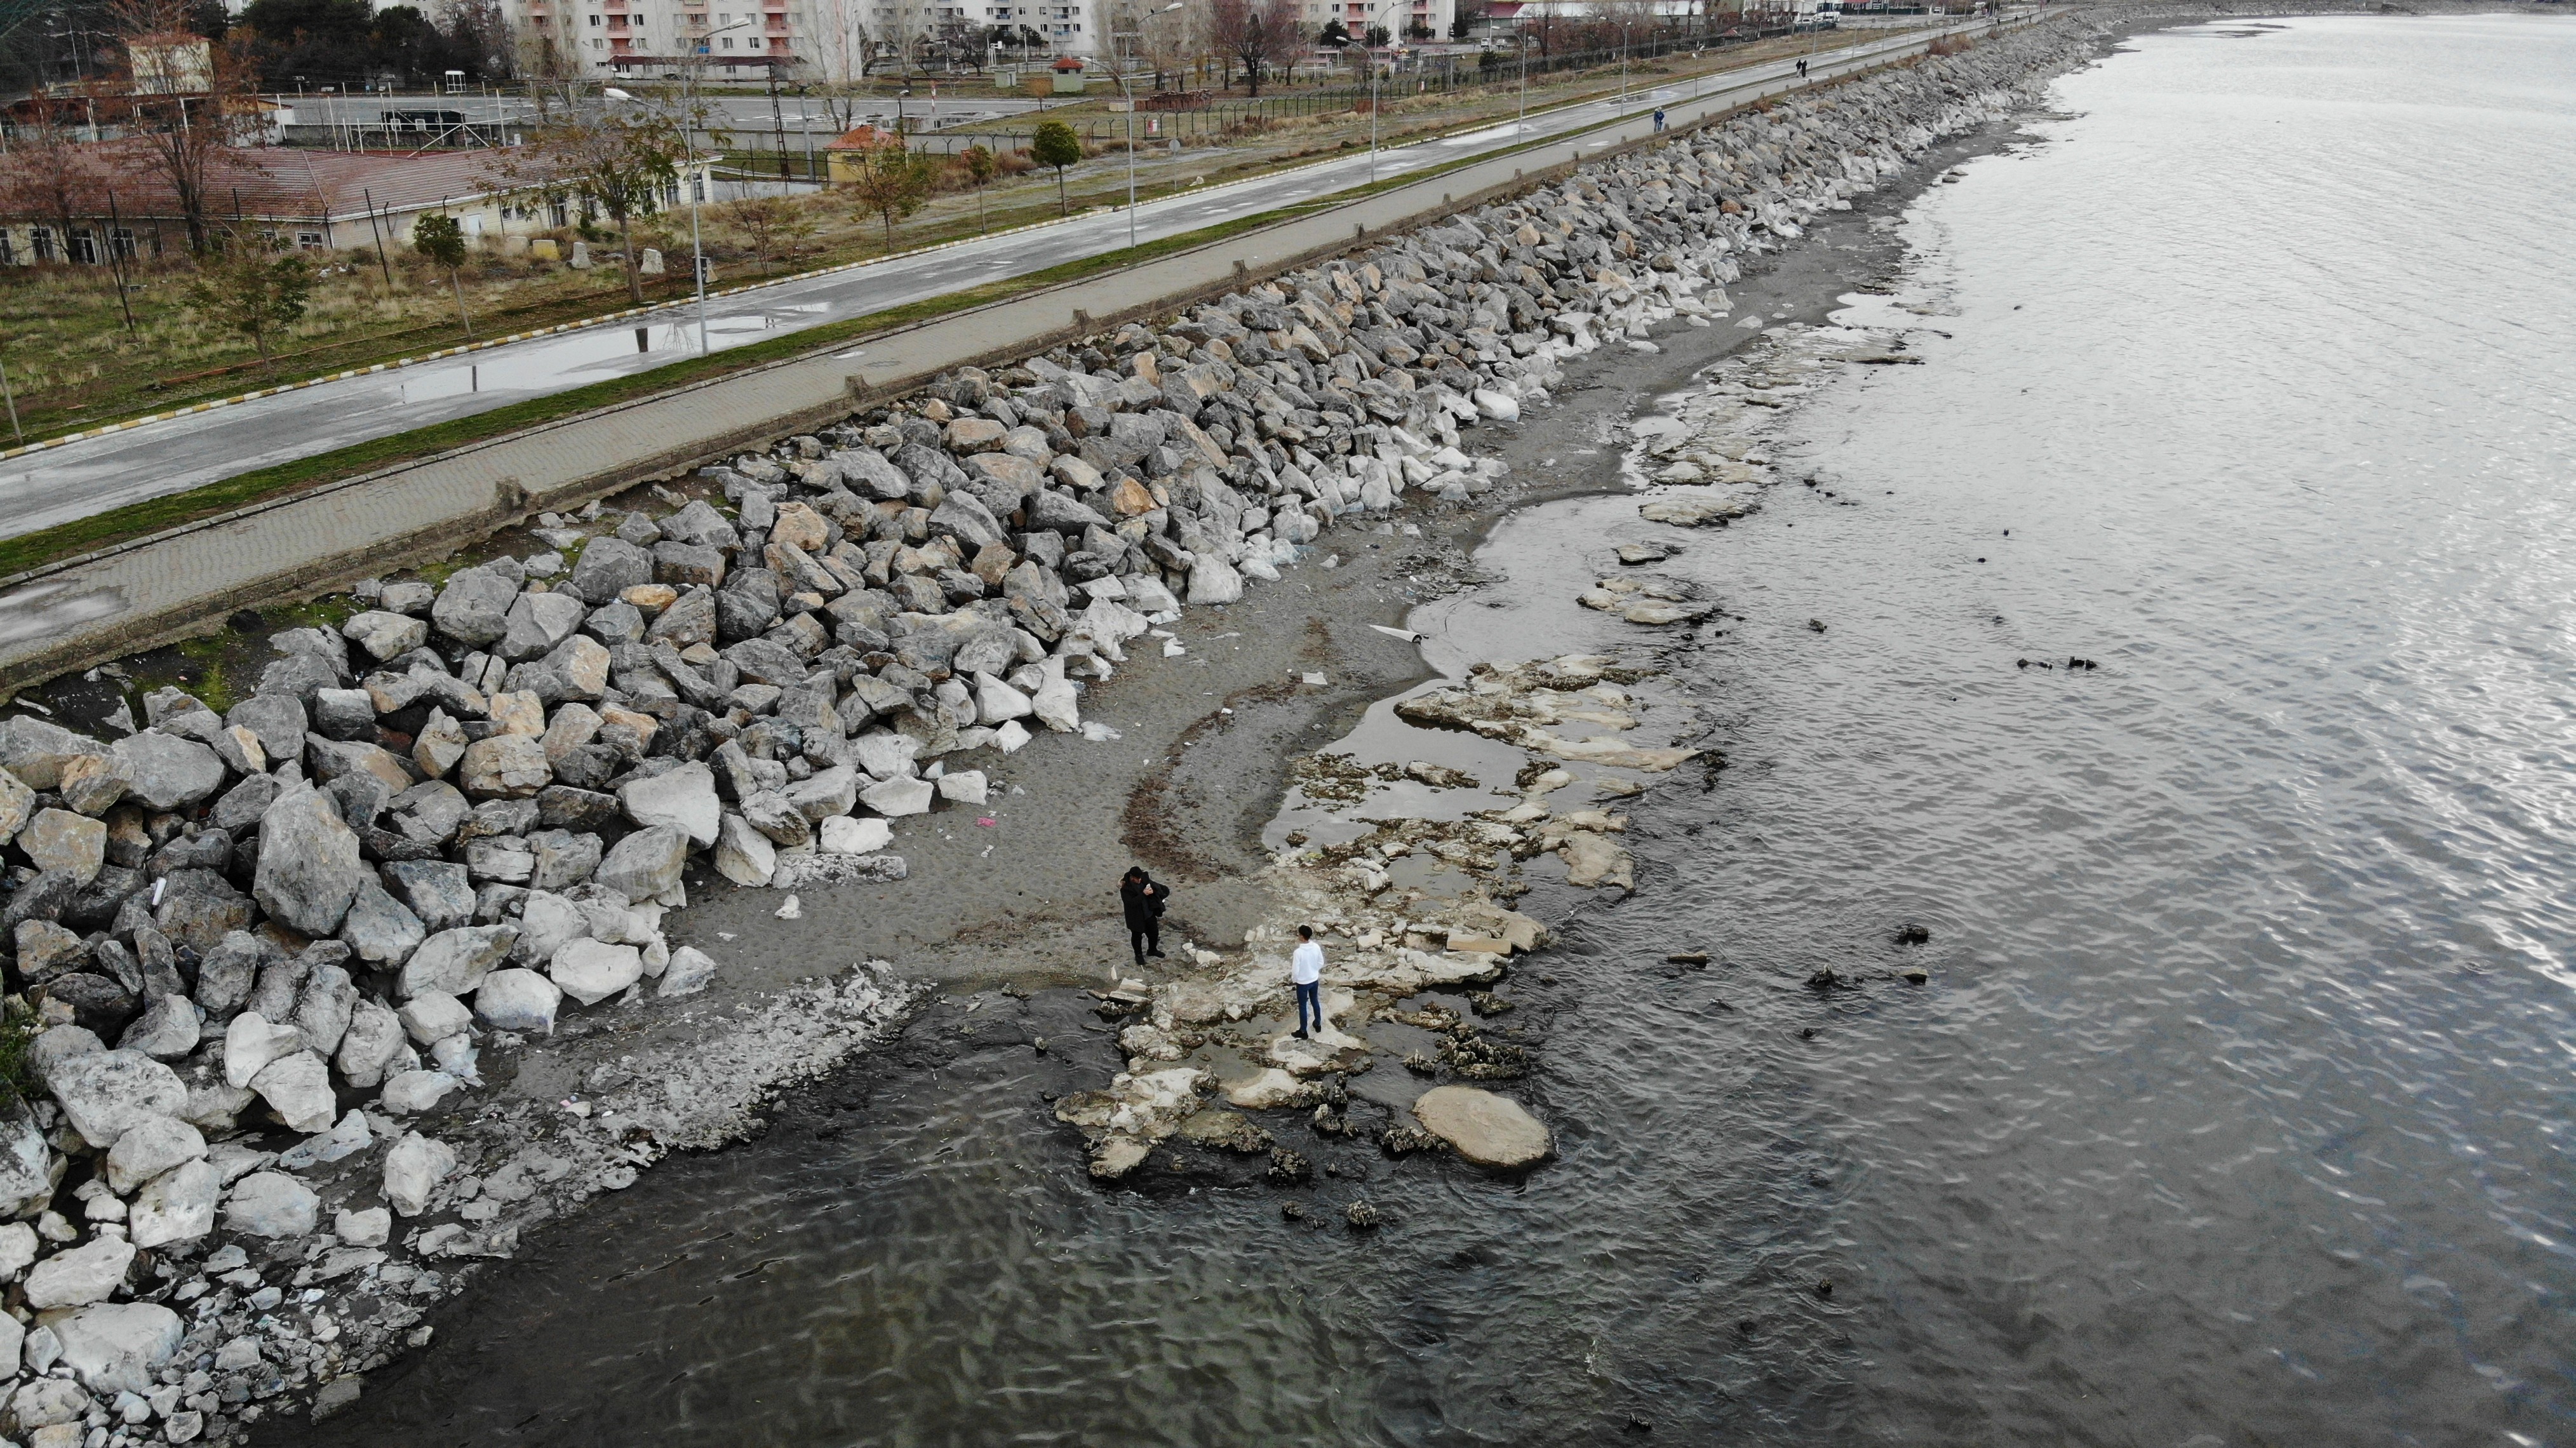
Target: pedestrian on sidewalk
<point>1142,897</point>
<point>1306,971</point>
<point>1659,118</point>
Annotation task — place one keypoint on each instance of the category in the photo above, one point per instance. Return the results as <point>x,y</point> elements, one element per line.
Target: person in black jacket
<point>1143,900</point>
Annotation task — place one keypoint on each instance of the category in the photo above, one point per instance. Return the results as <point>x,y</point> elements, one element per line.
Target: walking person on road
<point>1306,971</point>
<point>1142,899</point>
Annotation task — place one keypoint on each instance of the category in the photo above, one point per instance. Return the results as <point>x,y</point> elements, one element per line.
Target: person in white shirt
<point>1306,970</point>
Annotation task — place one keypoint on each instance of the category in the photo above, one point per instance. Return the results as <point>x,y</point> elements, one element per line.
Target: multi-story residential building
<point>657,37</point>
<point>1403,19</point>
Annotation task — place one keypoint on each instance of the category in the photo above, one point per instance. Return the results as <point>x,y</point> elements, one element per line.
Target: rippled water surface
<point>2236,1108</point>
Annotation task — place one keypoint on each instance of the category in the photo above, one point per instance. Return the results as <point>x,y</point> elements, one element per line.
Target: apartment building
<point>653,38</point>
<point>1402,18</point>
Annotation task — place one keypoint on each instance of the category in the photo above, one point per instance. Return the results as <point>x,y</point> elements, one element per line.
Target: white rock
<point>518,1000</point>
<point>433,1015</point>
<point>106,1093</point>
<point>896,798</point>
<point>88,1273</point>
<point>1010,737</point>
<point>119,1347</point>
<point>375,1033</point>
<point>689,972</point>
<point>369,1228</point>
<point>298,1089</point>
<point>176,1206</point>
<point>271,1204</point>
<point>590,971</point>
<point>684,799</point>
<point>413,1170</point>
<point>149,1149</point>
<point>13,1338</point>
<point>347,1139</point>
<point>17,1250</point>
<point>744,855</point>
<point>1058,706</point>
<point>251,1042</point>
<point>853,835</point>
<point>964,786</point>
<point>414,1092</point>
<point>997,702</point>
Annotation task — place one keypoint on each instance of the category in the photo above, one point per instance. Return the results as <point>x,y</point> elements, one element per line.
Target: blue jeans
<point>1310,998</point>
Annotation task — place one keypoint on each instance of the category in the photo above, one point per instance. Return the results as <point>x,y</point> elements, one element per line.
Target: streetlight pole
<point>1372,117</point>
<point>1129,95</point>
<point>1521,125</point>
<point>1623,67</point>
<point>697,187</point>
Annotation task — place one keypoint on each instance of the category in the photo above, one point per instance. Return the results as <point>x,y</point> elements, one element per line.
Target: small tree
<point>437,237</point>
<point>981,166</point>
<point>1057,146</point>
<point>892,182</point>
<point>252,288</point>
<point>619,157</point>
<point>1336,34</point>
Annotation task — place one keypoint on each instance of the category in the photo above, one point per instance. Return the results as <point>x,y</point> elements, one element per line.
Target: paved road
<point>61,484</point>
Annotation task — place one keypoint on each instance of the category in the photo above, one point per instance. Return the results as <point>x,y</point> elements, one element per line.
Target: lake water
<point>2236,1109</point>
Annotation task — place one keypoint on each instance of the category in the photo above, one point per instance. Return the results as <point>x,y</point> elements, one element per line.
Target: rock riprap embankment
<point>254,949</point>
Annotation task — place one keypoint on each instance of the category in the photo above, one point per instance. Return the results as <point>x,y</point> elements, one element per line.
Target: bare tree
<point>49,179</point>
<point>1253,34</point>
<point>190,101</point>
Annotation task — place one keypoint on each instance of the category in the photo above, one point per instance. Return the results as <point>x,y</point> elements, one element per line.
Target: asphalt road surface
<point>59,485</point>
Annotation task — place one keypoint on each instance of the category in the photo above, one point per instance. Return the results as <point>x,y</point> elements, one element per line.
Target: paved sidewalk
<point>153,591</point>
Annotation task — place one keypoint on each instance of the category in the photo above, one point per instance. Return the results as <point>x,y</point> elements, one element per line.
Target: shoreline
<point>1603,392</point>
<point>1194,768</point>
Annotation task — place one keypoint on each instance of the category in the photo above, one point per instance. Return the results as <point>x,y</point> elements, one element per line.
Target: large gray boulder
<point>57,839</point>
<point>149,1150</point>
<point>684,798</point>
<point>609,567</point>
<point>374,1038</point>
<point>251,1042</point>
<point>385,635</point>
<point>415,1167</point>
<point>88,1273</point>
<point>518,1000</point>
<point>964,517</point>
<point>591,971</point>
<point>168,1030</point>
<point>378,928</point>
<point>119,1347</point>
<point>105,1094</point>
<point>176,1206</point>
<point>36,751</point>
<point>474,607</point>
<point>273,1205</point>
<point>456,961</point>
<point>298,1089</point>
<point>167,772</point>
<point>440,894</point>
<point>505,766</point>
<point>646,863</point>
<point>322,1008</point>
<point>309,869</point>
<point>277,720</point>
